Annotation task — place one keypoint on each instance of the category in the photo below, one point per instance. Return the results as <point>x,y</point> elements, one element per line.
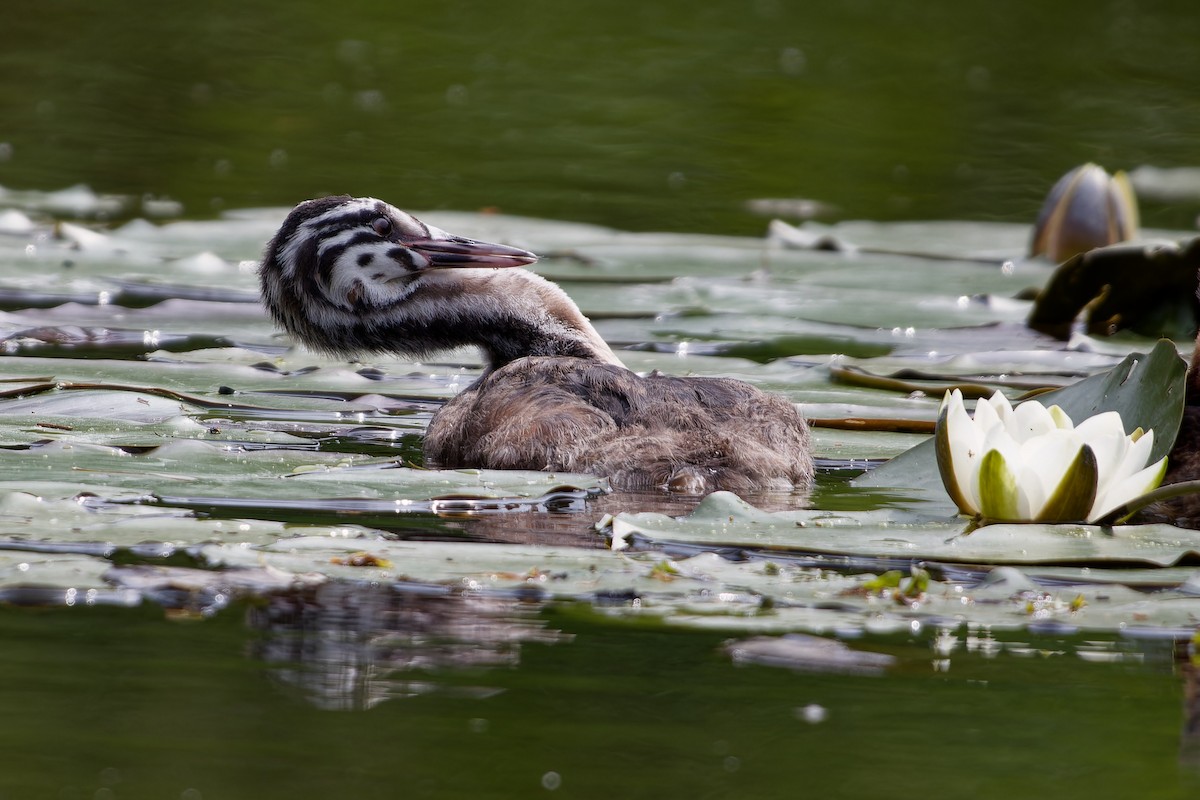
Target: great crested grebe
<point>349,275</point>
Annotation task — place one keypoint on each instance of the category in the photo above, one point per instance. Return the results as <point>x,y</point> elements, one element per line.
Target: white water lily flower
<point>1032,464</point>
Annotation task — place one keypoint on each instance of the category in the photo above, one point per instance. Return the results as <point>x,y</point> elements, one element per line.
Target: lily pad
<point>724,521</point>
<point>161,435</point>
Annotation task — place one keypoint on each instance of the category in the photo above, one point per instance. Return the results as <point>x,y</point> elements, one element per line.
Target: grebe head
<point>342,268</point>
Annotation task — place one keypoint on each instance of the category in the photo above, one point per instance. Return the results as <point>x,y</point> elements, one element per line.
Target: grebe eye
<point>382,226</point>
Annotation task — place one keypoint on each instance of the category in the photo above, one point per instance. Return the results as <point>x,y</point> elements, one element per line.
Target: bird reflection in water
<point>353,646</point>
<point>574,523</point>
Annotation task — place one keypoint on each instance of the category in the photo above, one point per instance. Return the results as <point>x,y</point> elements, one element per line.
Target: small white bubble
<point>792,61</point>
<point>1007,268</point>
<point>767,9</point>
<point>353,51</point>
<point>551,781</point>
<point>812,713</point>
<point>732,763</point>
<point>6,151</point>
<point>332,92</point>
<point>278,158</point>
<point>963,301</point>
<point>31,249</point>
<point>370,100</point>
<point>978,77</point>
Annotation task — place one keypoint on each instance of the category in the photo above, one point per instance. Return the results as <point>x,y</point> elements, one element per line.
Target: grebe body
<point>351,275</point>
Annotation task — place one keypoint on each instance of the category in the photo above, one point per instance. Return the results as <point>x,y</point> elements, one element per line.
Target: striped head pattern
<point>338,264</point>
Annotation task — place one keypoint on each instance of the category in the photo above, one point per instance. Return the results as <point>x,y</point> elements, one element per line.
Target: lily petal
<point>1134,486</point>
<point>999,497</point>
<point>1136,456</point>
<point>988,415</point>
<point>1031,491</point>
<point>1111,450</point>
<point>1108,422</point>
<point>999,404</point>
<point>1072,499</point>
<point>1030,420</point>
<point>1061,420</point>
<point>957,444</point>
<point>1045,461</point>
<point>1128,475</point>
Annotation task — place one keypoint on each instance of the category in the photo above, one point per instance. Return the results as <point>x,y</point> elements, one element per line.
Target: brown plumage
<point>1183,462</point>
<point>690,435</point>
<point>347,275</point>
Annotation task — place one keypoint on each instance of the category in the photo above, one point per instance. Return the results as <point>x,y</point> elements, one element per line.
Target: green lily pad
<point>725,521</point>
<point>161,436</point>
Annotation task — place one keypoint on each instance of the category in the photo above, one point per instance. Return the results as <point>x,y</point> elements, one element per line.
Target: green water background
<point>637,711</point>
<point>639,115</point>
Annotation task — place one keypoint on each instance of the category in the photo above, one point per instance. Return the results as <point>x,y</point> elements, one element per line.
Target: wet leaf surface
<point>161,440</point>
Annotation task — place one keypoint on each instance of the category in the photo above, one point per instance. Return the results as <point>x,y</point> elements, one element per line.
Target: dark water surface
<point>643,116</point>
<point>98,702</point>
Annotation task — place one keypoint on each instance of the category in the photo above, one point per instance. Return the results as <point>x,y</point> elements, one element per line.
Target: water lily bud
<point>1086,209</point>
